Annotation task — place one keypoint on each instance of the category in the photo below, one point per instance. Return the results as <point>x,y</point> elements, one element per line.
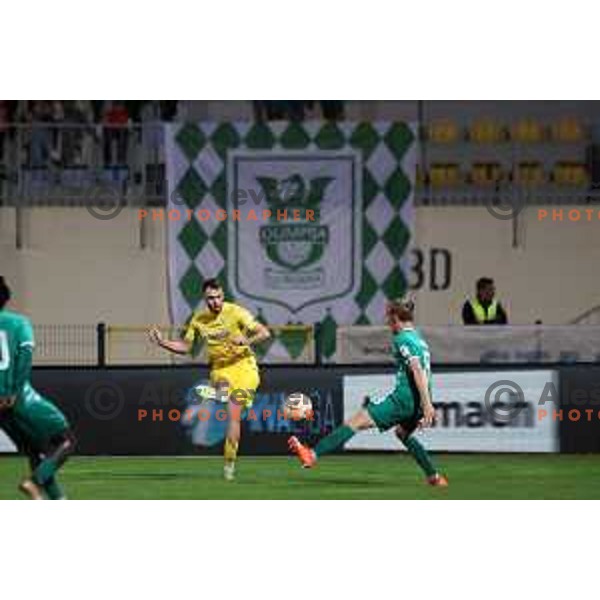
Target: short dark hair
<point>484,282</point>
<point>211,284</point>
<point>4,292</point>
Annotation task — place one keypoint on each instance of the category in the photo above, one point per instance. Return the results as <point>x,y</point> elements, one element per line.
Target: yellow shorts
<point>242,380</point>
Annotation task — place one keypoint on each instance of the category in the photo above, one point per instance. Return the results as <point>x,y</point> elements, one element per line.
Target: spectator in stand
<point>168,109</point>
<point>39,115</point>
<point>333,110</point>
<point>57,117</point>
<point>78,140</point>
<point>116,121</point>
<point>85,111</point>
<point>98,108</point>
<point>152,135</point>
<point>185,110</point>
<point>4,121</point>
<point>484,309</point>
<point>281,110</point>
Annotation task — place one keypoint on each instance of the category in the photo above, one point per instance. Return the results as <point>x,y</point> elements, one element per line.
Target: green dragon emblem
<point>288,243</point>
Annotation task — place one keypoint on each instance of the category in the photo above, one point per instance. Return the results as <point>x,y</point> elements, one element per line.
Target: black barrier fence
<point>580,404</point>
<point>156,411</point>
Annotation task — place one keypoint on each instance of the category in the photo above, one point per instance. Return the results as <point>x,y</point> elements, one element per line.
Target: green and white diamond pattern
<point>196,172</point>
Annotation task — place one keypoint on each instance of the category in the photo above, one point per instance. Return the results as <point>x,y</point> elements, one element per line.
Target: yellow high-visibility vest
<point>479,311</point>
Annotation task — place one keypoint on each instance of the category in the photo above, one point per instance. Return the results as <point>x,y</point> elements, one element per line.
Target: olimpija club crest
<point>290,244</point>
<point>306,251</point>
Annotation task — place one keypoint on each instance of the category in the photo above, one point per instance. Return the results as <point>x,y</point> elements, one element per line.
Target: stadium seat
<point>486,131</point>
<point>443,132</point>
<point>567,130</point>
<point>486,173</point>
<point>570,173</point>
<point>527,131</point>
<point>529,173</point>
<point>444,175</point>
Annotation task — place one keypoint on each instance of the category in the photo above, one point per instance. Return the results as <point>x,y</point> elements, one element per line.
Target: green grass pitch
<point>349,476</point>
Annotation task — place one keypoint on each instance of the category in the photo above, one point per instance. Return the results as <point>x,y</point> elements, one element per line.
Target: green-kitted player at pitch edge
<point>36,426</point>
<point>406,407</point>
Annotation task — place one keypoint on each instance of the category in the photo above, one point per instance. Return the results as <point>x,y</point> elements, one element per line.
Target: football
<point>297,406</point>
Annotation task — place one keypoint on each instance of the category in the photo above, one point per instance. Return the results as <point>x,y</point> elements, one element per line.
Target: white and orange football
<point>297,406</point>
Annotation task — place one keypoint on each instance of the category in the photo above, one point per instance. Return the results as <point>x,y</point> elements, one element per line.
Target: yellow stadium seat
<point>443,132</point>
<point>570,173</point>
<point>527,130</point>
<point>486,173</point>
<point>568,130</point>
<point>444,175</point>
<point>486,131</point>
<point>529,173</point>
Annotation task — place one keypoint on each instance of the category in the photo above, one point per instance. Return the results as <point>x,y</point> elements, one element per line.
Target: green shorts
<point>397,408</point>
<point>38,420</point>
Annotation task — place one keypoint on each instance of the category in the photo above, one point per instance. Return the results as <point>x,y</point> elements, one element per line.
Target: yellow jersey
<point>217,329</point>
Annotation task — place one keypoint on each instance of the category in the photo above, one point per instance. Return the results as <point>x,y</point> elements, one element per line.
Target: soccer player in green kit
<point>36,426</point>
<point>407,407</point>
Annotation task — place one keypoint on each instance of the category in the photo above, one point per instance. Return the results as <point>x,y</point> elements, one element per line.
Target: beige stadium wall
<point>550,275</point>
<point>76,269</point>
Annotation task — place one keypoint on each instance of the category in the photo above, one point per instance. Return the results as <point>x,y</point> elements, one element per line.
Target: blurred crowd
<point>72,133</point>
<point>298,110</point>
<point>67,132</point>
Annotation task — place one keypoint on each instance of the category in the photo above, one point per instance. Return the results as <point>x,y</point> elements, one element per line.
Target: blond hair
<point>402,308</point>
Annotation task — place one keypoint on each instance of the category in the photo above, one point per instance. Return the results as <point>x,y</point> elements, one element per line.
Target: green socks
<point>420,455</point>
<point>53,490</point>
<point>338,437</point>
<point>44,477</point>
<point>45,471</point>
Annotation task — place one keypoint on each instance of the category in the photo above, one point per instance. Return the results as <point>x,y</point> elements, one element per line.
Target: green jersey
<point>33,416</point>
<point>16,348</point>
<point>402,405</point>
<point>407,345</point>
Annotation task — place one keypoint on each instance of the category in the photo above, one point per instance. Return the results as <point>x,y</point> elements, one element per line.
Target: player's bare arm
<point>175,346</point>
<point>422,387</point>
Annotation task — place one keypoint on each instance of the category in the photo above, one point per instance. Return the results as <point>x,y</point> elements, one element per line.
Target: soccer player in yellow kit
<point>229,331</point>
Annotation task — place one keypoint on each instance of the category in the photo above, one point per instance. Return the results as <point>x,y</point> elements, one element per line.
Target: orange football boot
<point>304,453</point>
<point>438,480</point>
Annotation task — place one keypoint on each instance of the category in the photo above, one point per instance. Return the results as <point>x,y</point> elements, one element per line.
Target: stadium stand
<point>50,151</point>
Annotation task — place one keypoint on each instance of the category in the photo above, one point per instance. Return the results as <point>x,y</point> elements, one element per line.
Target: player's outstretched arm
<point>175,346</point>
<point>423,387</point>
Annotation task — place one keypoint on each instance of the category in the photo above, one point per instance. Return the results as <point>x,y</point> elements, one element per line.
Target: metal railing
<point>50,164</point>
<point>80,164</point>
<point>74,345</point>
<point>111,345</point>
<point>105,345</point>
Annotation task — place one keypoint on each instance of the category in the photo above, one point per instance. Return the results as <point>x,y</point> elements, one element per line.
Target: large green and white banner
<point>301,222</point>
